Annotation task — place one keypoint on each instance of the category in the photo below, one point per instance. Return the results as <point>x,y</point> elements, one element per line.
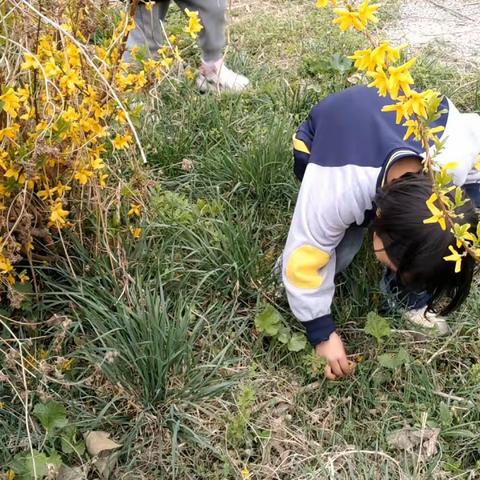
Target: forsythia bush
<point>66,106</point>
<point>416,111</point>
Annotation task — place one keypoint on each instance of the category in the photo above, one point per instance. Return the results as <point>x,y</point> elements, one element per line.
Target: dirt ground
<point>453,24</point>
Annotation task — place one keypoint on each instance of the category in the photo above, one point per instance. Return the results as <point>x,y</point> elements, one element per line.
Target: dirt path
<point>454,25</point>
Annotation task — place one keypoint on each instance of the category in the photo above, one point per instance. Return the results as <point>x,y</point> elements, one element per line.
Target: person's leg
<point>148,32</point>
<point>397,296</point>
<point>213,74</point>
<point>413,304</point>
<point>348,248</point>
<point>212,15</point>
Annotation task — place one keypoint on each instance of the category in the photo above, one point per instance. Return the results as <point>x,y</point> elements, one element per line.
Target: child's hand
<point>333,351</point>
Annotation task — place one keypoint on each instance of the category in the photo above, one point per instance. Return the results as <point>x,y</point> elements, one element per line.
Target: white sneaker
<point>220,78</point>
<point>427,320</point>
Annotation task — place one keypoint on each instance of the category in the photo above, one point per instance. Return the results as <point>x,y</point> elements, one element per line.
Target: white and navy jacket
<point>342,154</point>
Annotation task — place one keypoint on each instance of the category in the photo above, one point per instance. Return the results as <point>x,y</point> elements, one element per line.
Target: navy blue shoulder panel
<point>349,128</point>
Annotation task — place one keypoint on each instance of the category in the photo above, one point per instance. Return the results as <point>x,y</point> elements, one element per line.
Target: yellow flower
<point>121,142</point>
<point>413,128</point>
<point>245,473</point>
<point>194,25</point>
<point>392,54</point>
<point>2,405</point>
<point>51,69</point>
<point>415,103</point>
<point>136,232</point>
<point>135,210</point>
<point>70,80</point>
<point>371,60</point>
<point>23,94</point>
<point>58,215</point>
<point>29,113</point>
<point>73,55</point>
<point>363,60</point>
<point>166,62</point>
<point>477,163</point>
<point>125,81</point>
<point>348,19</point>
<point>140,81</point>
<point>367,12</point>
<point>11,102</point>
<point>70,115</point>
<point>97,163</point>
<point>400,79</point>
<point>121,117</point>
<point>23,277</point>
<point>450,166</point>
<point>380,81</point>
<point>324,3</point>
<point>149,65</point>
<point>61,189</point>
<point>82,175</point>
<point>10,475</point>
<point>12,172</point>
<point>91,125</point>
<point>102,180</point>
<point>455,257</point>
<point>30,62</point>
<point>3,157</point>
<point>462,234</point>
<point>149,5</point>
<point>46,193</point>
<point>189,74</point>
<point>9,132</point>
<point>177,54</point>
<point>437,214</point>
<point>5,265</point>
<point>45,46</point>
<point>400,110</point>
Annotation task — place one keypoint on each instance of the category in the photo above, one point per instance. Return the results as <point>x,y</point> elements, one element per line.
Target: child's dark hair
<point>418,249</point>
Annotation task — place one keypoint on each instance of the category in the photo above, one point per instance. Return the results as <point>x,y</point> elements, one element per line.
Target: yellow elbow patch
<point>304,265</point>
<point>300,146</point>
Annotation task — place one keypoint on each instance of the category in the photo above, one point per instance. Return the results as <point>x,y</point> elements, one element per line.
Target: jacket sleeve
<point>330,200</point>
<point>462,145</point>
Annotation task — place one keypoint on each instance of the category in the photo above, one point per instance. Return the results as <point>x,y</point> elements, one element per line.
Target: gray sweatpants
<point>149,33</point>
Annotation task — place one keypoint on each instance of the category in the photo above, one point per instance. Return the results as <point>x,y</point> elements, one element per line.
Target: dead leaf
<point>68,473</point>
<point>98,442</point>
<point>409,439</point>
<point>106,465</point>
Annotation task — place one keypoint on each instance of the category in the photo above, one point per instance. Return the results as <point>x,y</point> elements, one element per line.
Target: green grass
<point>165,354</point>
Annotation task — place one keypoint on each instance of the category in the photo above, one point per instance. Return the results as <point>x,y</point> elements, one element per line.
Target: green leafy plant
<point>269,322</point>
<point>60,436</point>
<point>28,466</point>
<point>237,430</point>
<point>377,327</point>
<point>394,360</point>
<point>52,415</point>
